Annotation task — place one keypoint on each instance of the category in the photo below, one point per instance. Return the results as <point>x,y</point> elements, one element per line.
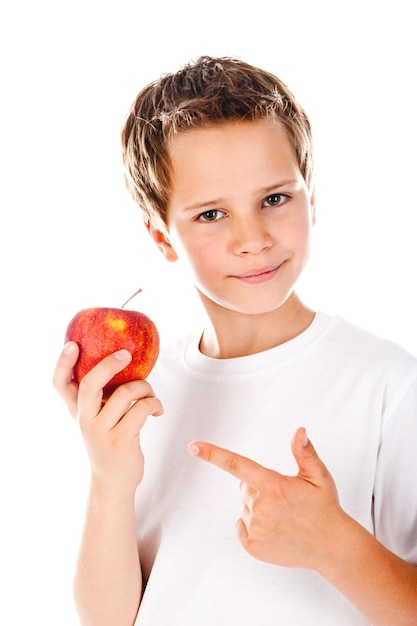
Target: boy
<point>219,158</point>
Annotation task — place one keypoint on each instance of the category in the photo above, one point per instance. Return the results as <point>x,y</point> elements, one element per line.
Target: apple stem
<point>131,297</point>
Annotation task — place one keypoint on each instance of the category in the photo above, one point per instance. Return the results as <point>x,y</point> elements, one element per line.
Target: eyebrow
<point>218,201</point>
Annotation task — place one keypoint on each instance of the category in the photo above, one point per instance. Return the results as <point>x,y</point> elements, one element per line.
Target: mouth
<point>261,275</point>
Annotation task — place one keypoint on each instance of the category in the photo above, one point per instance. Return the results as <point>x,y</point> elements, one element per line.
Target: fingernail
<point>194,449</point>
<point>122,355</point>
<point>69,348</point>
<point>305,440</point>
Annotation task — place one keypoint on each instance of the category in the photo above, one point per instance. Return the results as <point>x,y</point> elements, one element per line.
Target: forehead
<point>231,149</point>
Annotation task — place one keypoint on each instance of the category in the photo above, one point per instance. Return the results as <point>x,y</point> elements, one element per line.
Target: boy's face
<point>240,215</point>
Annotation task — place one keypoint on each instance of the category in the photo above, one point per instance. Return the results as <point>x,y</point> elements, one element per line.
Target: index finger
<point>235,464</point>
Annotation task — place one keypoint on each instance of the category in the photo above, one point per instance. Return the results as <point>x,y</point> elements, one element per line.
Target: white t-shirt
<point>357,396</point>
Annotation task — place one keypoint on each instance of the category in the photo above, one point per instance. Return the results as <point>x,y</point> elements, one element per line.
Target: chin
<point>257,303</point>
<point>255,308</point>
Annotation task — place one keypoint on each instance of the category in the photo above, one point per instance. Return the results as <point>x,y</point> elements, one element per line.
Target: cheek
<point>299,233</point>
<point>298,245</point>
<point>205,261</point>
<point>198,258</point>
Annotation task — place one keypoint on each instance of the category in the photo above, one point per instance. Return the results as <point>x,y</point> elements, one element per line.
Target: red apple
<point>101,331</point>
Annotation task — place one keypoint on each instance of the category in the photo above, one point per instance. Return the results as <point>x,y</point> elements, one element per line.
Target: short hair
<point>203,92</point>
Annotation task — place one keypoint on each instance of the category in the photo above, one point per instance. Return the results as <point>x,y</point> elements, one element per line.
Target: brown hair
<point>205,92</point>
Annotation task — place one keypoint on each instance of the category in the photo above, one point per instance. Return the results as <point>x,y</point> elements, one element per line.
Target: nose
<point>251,235</point>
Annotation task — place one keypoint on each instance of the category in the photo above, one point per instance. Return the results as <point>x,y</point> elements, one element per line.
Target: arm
<point>108,581</point>
<point>296,521</point>
<point>381,585</point>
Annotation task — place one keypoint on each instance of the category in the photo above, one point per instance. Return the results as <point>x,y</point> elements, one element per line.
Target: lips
<point>260,275</point>
<point>258,272</point>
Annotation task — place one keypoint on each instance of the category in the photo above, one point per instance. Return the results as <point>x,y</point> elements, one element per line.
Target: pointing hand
<point>285,520</point>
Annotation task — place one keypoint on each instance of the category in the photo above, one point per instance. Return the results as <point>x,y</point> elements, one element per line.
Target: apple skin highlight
<point>101,331</point>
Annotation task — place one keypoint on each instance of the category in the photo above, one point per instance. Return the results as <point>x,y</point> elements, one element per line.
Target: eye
<point>275,199</point>
<point>212,215</point>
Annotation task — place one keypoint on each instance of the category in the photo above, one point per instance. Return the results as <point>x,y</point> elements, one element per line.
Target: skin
<point>108,579</point>
<point>239,204</point>
<point>239,220</point>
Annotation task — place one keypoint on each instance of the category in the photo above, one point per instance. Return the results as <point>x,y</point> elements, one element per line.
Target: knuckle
<point>109,365</point>
<point>273,485</point>
<point>124,392</point>
<point>249,541</point>
<point>134,390</point>
<point>87,384</point>
<point>231,464</point>
<point>257,508</point>
<point>145,388</point>
<point>149,404</point>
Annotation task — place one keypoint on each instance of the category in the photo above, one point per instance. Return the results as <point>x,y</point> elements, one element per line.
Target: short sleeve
<point>395,489</point>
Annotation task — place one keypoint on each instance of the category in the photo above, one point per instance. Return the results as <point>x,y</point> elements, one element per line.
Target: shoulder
<point>353,342</point>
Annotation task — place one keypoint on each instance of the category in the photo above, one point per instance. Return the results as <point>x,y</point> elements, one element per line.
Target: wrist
<point>104,491</point>
<point>346,547</point>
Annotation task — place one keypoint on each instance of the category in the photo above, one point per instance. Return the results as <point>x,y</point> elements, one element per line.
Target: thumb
<point>310,466</point>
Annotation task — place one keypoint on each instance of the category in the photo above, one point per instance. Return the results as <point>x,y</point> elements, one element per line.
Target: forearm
<point>380,584</point>
<point>108,581</point>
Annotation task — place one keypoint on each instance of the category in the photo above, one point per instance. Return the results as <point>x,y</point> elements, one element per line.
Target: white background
<point>71,237</point>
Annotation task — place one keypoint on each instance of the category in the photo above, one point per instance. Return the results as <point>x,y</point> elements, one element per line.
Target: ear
<point>162,241</point>
<point>313,207</point>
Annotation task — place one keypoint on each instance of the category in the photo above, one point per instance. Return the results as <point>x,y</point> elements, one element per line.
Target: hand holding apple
<point>101,331</point>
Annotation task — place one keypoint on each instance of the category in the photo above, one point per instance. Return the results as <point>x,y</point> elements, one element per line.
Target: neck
<point>231,334</point>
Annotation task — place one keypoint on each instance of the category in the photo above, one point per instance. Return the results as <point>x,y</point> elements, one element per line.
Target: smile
<point>256,276</point>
